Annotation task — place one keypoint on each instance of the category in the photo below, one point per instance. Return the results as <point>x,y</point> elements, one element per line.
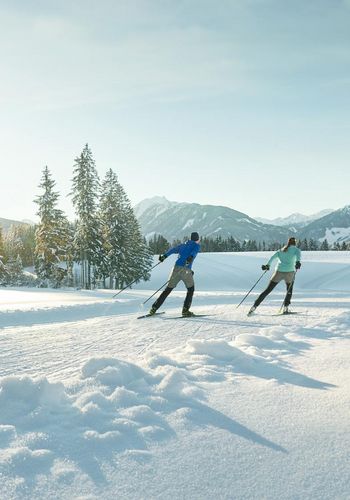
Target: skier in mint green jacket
<point>289,261</point>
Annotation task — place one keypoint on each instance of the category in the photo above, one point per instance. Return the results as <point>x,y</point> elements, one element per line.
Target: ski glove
<point>297,264</point>
<point>161,258</point>
<point>265,267</point>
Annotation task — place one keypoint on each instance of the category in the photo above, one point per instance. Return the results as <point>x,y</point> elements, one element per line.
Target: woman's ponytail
<point>291,242</point>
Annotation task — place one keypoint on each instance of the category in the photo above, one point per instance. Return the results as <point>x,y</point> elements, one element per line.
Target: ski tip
<point>150,315</point>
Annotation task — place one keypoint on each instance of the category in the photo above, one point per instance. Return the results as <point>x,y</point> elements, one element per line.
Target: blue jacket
<point>186,251</point>
<point>286,260</point>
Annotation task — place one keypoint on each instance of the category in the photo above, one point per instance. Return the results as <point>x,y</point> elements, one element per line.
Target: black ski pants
<point>269,289</point>
<point>167,291</point>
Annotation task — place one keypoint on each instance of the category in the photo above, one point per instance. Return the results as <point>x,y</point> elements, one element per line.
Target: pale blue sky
<point>242,103</point>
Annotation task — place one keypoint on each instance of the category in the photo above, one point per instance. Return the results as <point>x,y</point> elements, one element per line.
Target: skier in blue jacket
<point>289,261</point>
<point>182,271</point>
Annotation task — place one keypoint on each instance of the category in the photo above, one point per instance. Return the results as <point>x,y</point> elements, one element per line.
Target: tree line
<point>158,244</point>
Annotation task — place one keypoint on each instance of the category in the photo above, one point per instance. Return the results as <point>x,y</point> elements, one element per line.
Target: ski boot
<point>186,313</point>
<point>251,311</point>
<point>152,311</point>
<point>285,310</point>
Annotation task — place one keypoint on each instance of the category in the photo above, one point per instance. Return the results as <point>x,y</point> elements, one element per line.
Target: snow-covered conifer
<point>85,196</point>
<point>3,270</point>
<point>140,257</point>
<point>14,268</point>
<point>126,255</point>
<point>13,244</point>
<point>158,244</point>
<point>1,244</point>
<point>50,235</point>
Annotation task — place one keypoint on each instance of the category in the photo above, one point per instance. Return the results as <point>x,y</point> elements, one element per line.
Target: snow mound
<point>20,396</point>
<point>113,372</point>
<point>114,407</point>
<point>219,350</point>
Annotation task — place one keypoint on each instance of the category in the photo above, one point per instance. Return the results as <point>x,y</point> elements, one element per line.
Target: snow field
<point>98,404</point>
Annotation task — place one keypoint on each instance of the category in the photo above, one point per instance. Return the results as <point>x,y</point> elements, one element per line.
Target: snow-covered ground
<point>95,403</point>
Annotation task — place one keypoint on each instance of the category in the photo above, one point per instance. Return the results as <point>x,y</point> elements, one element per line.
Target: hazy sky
<point>243,103</point>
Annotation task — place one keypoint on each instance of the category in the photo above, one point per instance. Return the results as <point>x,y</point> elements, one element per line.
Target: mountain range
<point>296,220</point>
<point>176,220</point>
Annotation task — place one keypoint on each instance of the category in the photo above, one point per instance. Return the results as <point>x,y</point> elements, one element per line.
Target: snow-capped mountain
<point>335,227</point>
<point>176,220</point>
<point>296,219</point>
<point>160,201</point>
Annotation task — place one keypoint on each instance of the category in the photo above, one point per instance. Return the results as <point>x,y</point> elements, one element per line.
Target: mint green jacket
<point>286,260</point>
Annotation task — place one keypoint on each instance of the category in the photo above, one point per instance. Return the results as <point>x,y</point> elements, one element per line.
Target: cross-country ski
<point>150,315</point>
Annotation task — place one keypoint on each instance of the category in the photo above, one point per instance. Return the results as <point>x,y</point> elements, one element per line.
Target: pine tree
<point>1,244</point>
<point>158,244</point>
<point>139,257</point>
<point>3,270</point>
<point>304,245</point>
<point>50,235</point>
<point>85,192</point>
<point>111,227</point>
<point>13,244</point>
<point>324,245</point>
<point>126,254</point>
<point>69,254</point>
<point>238,247</point>
<point>20,240</point>
<point>313,245</point>
<point>14,269</point>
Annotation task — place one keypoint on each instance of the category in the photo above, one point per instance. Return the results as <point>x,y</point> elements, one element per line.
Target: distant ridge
<point>334,227</point>
<point>296,219</point>
<point>7,223</point>
<point>176,220</point>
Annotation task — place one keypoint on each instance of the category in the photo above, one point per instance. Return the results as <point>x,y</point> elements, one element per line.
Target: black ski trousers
<point>167,291</point>
<point>269,289</point>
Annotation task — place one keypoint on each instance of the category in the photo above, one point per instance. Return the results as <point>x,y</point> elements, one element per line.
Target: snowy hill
<point>7,223</point>
<point>98,404</point>
<point>335,227</point>
<point>177,220</point>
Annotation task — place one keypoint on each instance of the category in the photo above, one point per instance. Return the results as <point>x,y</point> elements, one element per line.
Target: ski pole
<point>288,288</point>
<point>252,288</point>
<point>137,279</point>
<point>155,292</point>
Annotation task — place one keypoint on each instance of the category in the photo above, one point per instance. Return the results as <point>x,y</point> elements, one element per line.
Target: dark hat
<point>194,236</point>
